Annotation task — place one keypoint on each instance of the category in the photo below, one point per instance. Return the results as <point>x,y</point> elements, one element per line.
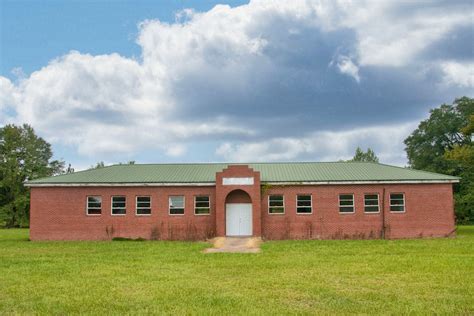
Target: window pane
<point>276,197</point>
<point>397,208</point>
<point>346,209</point>
<point>94,199</point>
<point>303,210</point>
<point>371,202</point>
<point>118,211</point>
<point>371,197</point>
<point>276,210</point>
<point>177,201</point>
<point>304,197</point>
<point>202,204</point>
<point>177,211</point>
<point>276,203</point>
<point>369,209</point>
<point>396,202</point>
<point>396,196</point>
<point>144,211</point>
<point>94,211</point>
<point>202,210</point>
<point>143,205</point>
<point>304,203</point>
<point>346,202</point>
<point>346,197</point>
<point>94,205</point>
<point>118,205</point>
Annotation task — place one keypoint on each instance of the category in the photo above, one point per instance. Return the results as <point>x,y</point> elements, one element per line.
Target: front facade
<point>273,201</point>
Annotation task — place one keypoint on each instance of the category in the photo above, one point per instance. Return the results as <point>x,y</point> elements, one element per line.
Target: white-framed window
<point>119,205</point>
<point>276,204</point>
<point>346,203</point>
<point>304,204</point>
<point>143,205</point>
<point>94,205</point>
<point>397,202</point>
<point>176,205</point>
<point>202,205</point>
<point>371,203</point>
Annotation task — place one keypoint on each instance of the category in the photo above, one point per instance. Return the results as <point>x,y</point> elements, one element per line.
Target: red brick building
<point>272,200</point>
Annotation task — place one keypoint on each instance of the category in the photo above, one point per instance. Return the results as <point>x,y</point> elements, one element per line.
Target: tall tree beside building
<point>23,156</point>
<point>463,157</point>
<point>443,143</point>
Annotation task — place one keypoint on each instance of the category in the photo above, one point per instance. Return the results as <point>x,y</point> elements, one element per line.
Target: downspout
<point>383,213</point>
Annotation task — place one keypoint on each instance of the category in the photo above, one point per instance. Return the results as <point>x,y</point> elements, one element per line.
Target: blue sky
<point>53,28</point>
<point>165,81</point>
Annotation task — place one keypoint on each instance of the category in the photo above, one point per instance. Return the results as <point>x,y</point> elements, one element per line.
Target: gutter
<point>210,184</point>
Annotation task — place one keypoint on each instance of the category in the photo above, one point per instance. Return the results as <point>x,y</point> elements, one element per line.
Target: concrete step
<point>235,245</point>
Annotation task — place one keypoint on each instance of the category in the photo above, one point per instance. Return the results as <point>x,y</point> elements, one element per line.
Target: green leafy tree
<point>463,157</point>
<point>427,144</point>
<point>443,143</point>
<point>23,156</point>
<point>362,156</point>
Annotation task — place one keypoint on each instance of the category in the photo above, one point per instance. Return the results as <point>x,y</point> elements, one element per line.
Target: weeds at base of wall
<point>127,239</point>
<point>191,231</point>
<point>309,229</point>
<point>156,232</point>
<point>210,232</point>
<point>110,231</point>
<point>287,229</point>
<point>170,232</point>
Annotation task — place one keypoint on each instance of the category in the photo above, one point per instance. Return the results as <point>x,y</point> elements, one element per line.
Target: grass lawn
<point>425,276</point>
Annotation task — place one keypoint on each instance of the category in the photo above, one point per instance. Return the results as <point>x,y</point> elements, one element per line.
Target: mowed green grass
<point>423,276</point>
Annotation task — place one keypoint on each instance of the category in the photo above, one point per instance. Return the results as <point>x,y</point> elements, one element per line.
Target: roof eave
<point>163,184</point>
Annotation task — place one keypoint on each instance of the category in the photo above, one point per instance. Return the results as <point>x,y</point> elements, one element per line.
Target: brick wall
<point>428,213</point>
<point>59,213</point>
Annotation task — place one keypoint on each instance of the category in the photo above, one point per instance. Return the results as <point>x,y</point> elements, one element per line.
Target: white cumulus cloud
<point>253,80</point>
<point>324,145</point>
<point>460,74</point>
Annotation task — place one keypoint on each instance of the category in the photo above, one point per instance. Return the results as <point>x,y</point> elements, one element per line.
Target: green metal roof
<point>270,172</point>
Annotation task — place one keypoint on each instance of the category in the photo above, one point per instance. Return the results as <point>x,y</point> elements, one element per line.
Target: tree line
<point>442,143</point>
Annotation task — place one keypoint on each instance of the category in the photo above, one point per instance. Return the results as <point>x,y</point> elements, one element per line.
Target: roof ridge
<point>234,163</point>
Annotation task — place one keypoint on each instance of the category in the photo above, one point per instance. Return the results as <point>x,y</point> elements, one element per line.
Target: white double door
<point>238,219</point>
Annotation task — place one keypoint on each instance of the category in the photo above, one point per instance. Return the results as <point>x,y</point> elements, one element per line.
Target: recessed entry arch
<point>238,206</point>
